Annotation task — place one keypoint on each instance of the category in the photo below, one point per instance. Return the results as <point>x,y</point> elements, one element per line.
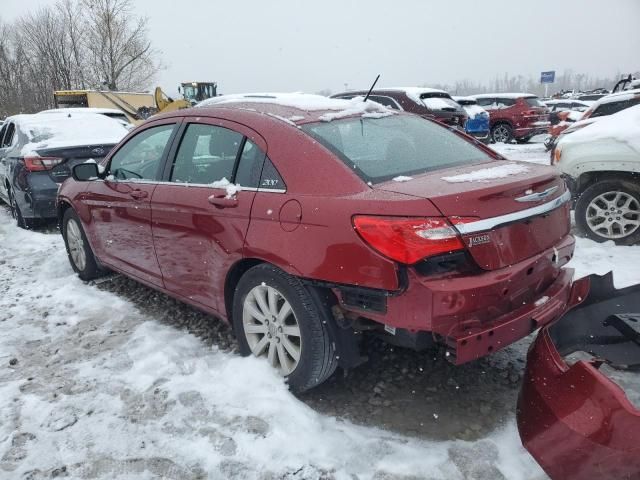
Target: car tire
<point>289,324</point>
<point>595,218</point>
<point>26,223</point>
<point>501,133</point>
<point>79,251</point>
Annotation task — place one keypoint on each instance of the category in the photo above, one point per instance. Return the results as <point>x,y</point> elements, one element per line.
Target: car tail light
<point>557,154</point>
<point>408,240</point>
<point>39,164</point>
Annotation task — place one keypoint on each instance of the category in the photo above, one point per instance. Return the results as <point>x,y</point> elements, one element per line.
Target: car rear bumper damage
<point>473,314</point>
<point>573,419</point>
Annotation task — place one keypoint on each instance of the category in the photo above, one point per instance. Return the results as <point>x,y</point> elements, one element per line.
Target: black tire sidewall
<point>585,198</point>
<point>91,269</point>
<point>317,358</point>
<point>15,208</point>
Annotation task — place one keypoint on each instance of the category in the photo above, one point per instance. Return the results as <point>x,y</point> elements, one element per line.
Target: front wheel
<point>276,318</point>
<point>610,210</point>
<point>502,133</point>
<point>79,251</point>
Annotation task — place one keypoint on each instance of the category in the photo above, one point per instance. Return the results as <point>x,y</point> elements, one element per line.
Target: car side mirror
<point>85,172</point>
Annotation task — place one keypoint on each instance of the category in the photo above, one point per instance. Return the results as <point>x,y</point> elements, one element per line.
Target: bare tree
<point>119,53</point>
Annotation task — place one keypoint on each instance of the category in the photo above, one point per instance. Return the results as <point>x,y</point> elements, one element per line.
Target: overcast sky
<point>289,45</point>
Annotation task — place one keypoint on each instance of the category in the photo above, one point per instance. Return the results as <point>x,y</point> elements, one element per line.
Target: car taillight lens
<point>38,164</point>
<point>557,155</point>
<point>408,240</point>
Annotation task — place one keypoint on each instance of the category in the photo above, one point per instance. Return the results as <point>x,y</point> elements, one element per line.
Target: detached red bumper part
<point>575,421</point>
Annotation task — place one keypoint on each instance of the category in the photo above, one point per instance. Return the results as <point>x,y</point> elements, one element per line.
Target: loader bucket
<point>573,419</point>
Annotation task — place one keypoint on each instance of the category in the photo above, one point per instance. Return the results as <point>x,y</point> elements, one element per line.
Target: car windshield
<point>379,149</point>
<point>533,102</point>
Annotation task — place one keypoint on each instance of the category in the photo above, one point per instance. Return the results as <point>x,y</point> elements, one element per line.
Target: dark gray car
<point>37,153</point>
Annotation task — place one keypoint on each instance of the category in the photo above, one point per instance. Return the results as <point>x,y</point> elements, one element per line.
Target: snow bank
<point>622,127</point>
<point>50,130</point>
<point>114,394</point>
<point>488,174</point>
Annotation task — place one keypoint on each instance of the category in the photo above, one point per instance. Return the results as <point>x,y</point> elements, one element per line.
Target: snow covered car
<point>37,153</point>
<point>607,105</point>
<point>478,118</point>
<point>578,412</point>
<point>423,101</point>
<point>601,164</point>
<point>307,222</point>
<point>113,113</point>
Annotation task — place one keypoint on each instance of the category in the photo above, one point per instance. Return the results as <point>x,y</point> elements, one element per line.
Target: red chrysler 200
<point>306,221</point>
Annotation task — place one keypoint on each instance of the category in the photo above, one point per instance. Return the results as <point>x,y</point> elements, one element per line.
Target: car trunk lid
<point>505,211</point>
<point>72,156</point>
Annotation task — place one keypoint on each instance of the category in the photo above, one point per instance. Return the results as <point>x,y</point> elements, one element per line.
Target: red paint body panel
<point>178,242</point>
<point>594,430</point>
<point>575,421</point>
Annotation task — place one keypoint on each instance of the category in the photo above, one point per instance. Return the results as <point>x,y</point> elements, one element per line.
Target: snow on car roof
<point>623,127</point>
<point>324,108</point>
<point>618,96</point>
<point>567,100</point>
<point>67,130</point>
<point>112,111</point>
<point>504,95</point>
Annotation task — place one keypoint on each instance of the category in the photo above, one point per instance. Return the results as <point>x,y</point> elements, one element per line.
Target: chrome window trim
<point>197,185</point>
<point>491,223</point>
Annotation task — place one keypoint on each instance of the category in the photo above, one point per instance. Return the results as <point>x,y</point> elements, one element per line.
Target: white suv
<point>601,164</point>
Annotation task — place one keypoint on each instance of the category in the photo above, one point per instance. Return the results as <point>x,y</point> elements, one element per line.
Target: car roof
<point>84,110</point>
<point>292,108</point>
<point>566,100</point>
<point>505,95</point>
<point>619,96</point>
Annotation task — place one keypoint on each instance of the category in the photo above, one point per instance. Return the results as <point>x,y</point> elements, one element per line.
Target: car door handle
<point>138,194</point>
<point>222,201</point>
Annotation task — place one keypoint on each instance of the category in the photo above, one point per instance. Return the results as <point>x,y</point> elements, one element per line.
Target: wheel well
<point>501,122</point>
<point>233,277</point>
<point>62,208</point>
<point>589,178</point>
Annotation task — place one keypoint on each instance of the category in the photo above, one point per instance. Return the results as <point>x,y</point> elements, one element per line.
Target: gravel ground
<point>415,393</point>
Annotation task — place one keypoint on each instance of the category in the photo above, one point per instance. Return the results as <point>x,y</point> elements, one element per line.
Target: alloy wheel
<point>76,244</point>
<point>501,134</point>
<point>271,328</point>
<point>613,215</point>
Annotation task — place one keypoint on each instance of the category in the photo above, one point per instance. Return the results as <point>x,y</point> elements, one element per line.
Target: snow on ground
<point>91,387</point>
<point>528,152</point>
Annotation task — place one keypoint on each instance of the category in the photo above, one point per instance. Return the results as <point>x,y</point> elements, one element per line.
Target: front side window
<point>383,148</point>
<point>141,156</point>
<point>487,103</point>
<point>207,153</point>
<point>505,102</point>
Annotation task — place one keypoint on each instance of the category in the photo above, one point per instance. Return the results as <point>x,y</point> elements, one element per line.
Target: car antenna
<point>374,84</point>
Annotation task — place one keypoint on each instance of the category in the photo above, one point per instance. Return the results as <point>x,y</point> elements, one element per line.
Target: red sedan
<point>306,221</point>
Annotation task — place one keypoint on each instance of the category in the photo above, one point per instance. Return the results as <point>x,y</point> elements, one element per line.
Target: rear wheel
<point>610,210</point>
<point>17,214</point>
<point>276,318</point>
<point>79,251</point>
<point>501,133</point>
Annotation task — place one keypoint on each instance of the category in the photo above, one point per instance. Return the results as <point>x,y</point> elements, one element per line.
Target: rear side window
<point>207,153</point>
<point>250,165</point>
<point>399,145</point>
<point>505,102</point>
<point>271,179</point>
<point>140,157</point>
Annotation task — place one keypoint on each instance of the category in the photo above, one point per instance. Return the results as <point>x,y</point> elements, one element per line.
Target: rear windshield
<point>534,102</point>
<point>379,149</point>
